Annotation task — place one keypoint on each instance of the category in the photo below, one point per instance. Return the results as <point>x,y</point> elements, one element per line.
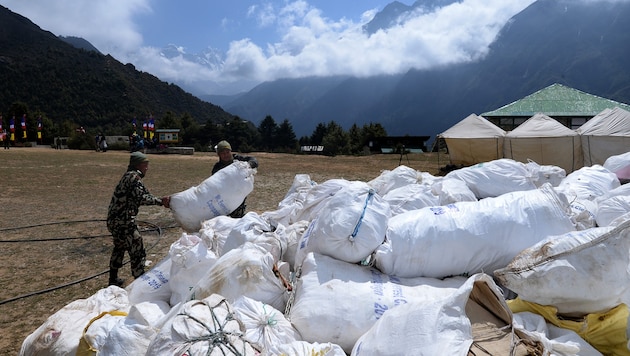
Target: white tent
<point>474,140</point>
<point>546,142</point>
<point>606,134</point>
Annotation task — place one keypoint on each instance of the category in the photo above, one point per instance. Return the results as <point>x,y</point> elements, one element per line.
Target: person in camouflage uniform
<point>129,194</point>
<point>224,151</point>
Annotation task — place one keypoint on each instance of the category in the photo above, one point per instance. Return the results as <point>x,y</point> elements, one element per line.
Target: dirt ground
<point>55,248</point>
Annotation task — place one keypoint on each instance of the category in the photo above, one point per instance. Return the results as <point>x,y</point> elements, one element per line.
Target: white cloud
<point>314,45</point>
<point>311,44</point>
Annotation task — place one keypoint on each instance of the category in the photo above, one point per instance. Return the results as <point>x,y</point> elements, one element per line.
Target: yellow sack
<point>605,331</point>
<point>85,349</point>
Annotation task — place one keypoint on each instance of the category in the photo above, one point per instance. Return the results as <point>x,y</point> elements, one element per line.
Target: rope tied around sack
<point>271,320</point>
<point>369,197</point>
<point>217,336</point>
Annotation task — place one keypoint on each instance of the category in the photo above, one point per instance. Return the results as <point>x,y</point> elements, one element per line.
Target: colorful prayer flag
<point>39,128</point>
<point>23,126</point>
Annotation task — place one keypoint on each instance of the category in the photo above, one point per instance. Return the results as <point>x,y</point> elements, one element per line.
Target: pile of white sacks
<point>405,264</point>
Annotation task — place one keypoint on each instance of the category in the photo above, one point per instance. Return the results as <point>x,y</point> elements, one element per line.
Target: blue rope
<point>371,193</point>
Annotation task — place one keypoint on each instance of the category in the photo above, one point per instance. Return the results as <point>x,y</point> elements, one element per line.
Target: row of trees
<point>268,136</point>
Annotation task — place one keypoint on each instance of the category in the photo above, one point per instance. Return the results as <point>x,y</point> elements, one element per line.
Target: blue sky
<point>270,39</point>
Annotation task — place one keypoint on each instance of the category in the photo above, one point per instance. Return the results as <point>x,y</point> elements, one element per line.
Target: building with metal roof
<point>570,107</point>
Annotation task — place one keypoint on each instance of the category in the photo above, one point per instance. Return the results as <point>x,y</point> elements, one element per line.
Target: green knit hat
<point>223,145</point>
<point>136,158</point>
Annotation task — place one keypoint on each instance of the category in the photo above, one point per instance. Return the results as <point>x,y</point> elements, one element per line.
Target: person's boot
<point>113,278</point>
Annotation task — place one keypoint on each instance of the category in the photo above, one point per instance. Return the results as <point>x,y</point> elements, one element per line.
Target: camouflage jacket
<point>129,194</point>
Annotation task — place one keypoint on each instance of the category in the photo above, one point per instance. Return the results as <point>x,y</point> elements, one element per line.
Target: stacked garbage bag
<point>501,258</point>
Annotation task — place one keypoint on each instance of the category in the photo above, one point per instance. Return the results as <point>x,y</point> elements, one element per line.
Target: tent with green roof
<point>546,142</point>
<point>606,134</point>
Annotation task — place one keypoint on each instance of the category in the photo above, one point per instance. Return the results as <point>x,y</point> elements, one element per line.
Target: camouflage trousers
<point>238,212</point>
<point>128,239</point>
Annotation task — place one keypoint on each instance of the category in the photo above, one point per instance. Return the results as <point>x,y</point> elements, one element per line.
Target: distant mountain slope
<point>86,87</point>
<point>575,43</point>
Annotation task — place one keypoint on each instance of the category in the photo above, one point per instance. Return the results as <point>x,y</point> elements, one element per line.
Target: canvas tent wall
<point>544,141</point>
<point>473,140</point>
<point>606,134</point>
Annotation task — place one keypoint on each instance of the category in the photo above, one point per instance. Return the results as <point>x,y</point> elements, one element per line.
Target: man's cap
<point>136,158</point>
<point>223,145</point>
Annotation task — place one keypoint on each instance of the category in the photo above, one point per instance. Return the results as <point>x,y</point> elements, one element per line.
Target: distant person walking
<point>129,194</point>
<point>5,136</point>
<point>224,151</point>
<point>58,143</point>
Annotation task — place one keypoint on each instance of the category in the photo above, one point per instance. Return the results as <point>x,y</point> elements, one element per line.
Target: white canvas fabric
<point>471,237</point>
<point>255,229</point>
<point>588,183</point>
<point>444,326</point>
<point>396,178</point>
<point>61,332</point>
<point>215,231</point>
<point>245,271</point>
<point>411,197</point>
<point>265,326</point>
<point>191,259</point>
<point>545,141</point>
<point>474,140</point>
<point>451,190</point>
<point>337,302</point>
<point>494,178</point>
<point>579,273</point>
<point>606,134</point>
<point>220,194</point>
<point>293,201</point>
<point>304,348</point>
<point>153,285</point>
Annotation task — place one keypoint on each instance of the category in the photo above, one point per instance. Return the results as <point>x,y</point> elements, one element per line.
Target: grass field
<point>55,248</point>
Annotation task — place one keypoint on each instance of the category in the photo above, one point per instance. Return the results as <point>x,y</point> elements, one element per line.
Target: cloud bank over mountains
<point>308,43</point>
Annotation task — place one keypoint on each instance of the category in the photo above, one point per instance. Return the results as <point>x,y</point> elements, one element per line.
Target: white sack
<point>265,326</point>
<point>153,285</point>
<point>201,327</point>
<point>561,342</point>
<point>589,183</point>
<point>583,213</point>
<point>579,273</point>
<point>337,302</point>
<point>617,162</point>
<point>61,332</point>
<point>495,178</point>
<point>132,335</point>
<point>470,237</point>
<point>411,197</point>
<point>452,190</point>
<point>304,348</point>
<point>259,231</point>
<point>317,197</point>
<point>292,202</point>
<point>350,227</point>
<point>191,259</point>
<point>542,174</point>
<point>441,326</point>
<point>612,208</point>
<point>245,271</point>
<point>215,231</point>
<point>219,194</point>
<point>396,178</point>
<point>293,235</point>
